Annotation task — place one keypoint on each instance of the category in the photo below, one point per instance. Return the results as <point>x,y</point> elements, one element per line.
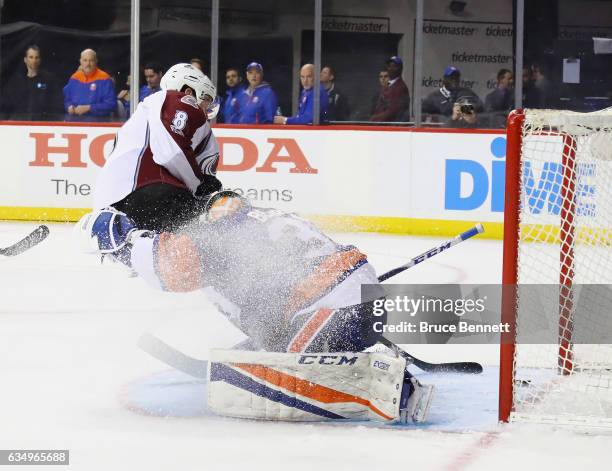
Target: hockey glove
<point>209,185</point>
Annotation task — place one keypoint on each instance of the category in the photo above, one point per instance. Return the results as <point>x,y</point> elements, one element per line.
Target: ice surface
<point>68,332</point>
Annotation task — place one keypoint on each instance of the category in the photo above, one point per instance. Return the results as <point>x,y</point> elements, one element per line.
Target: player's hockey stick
<point>477,229</point>
<point>458,367</point>
<point>33,238</point>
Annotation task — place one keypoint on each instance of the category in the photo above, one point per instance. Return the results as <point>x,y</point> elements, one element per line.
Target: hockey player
<point>290,289</point>
<point>165,156</point>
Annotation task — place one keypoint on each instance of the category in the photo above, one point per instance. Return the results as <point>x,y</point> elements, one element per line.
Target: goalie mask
<point>225,206</point>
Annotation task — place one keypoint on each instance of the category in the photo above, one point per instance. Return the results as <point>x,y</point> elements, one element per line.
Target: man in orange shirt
<point>89,94</point>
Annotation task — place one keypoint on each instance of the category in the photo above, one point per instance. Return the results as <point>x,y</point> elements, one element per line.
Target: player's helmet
<point>181,75</point>
<point>226,206</point>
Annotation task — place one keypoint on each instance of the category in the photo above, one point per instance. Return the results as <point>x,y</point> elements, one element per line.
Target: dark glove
<point>209,185</point>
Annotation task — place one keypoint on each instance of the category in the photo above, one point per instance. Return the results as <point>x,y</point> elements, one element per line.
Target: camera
<point>466,109</point>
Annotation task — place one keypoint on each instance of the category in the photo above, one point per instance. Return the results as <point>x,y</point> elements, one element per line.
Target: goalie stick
<point>457,367</point>
<point>477,229</point>
<point>33,238</point>
<point>163,352</point>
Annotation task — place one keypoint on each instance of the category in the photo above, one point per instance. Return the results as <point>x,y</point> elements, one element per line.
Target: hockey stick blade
<point>477,229</point>
<point>33,238</point>
<point>163,352</point>
<point>458,367</point>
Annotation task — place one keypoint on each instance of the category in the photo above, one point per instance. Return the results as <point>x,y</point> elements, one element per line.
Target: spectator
<point>532,97</point>
<point>198,63</point>
<point>123,100</point>
<point>89,94</point>
<point>305,109</point>
<point>258,103</point>
<point>542,83</point>
<point>153,73</point>
<point>393,101</point>
<point>383,78</point>
<point>337,108</point>
<point>502,98</point>
<point>383,82</point>
<point>231,107</point>
<point>35,94</point>
<point>441,102</point>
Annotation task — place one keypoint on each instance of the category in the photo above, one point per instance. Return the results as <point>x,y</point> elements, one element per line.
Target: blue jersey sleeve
<point>68,95</point>
<point>305,112</point>
<point>231,107</point>
<point>106,102</point>
<point>269,108</point>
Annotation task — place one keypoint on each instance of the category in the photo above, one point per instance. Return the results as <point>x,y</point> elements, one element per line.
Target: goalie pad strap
<point>305,387</point>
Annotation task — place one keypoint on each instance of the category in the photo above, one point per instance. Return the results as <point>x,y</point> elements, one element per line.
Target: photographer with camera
<point>440,104</point>
<point>464,114</point>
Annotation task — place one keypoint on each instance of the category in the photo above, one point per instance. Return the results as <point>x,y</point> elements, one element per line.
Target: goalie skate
<point>418,403</point>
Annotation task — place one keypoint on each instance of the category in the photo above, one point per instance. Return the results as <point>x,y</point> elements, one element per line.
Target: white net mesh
<point>565,239</point>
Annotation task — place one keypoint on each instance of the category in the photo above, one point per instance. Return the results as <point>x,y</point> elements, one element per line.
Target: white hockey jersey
<point>167,140</point>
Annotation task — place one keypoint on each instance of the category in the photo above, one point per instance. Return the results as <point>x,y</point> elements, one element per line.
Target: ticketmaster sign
<point>477,49</point>
<point>355,24</point>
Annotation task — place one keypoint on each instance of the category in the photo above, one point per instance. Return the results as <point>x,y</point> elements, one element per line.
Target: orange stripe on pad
<point>306,388</point>
<point>308,331</point>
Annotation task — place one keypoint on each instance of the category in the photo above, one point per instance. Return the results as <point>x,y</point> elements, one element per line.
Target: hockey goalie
<point>293,291</point>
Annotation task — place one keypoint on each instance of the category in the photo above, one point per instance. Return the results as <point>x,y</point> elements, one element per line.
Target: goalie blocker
<point>315,387</point>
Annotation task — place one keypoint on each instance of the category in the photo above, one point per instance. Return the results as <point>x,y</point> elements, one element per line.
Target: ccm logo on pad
<point>326,360</point>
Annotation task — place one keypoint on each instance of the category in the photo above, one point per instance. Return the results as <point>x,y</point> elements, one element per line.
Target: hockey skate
<point>415,400</point>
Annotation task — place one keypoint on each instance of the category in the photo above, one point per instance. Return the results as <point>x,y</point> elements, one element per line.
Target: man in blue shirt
<point>258,103</point>
<point>305,110</point>
<point>153,73</point>
<point>230,110</point>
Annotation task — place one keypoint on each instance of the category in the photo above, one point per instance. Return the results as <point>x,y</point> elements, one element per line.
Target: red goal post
<point>557,231</point>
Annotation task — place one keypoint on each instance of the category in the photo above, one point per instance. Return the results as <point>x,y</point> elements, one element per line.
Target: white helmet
<point>180,75</point>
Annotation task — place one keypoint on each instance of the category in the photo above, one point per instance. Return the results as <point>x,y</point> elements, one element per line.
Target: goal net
<point>556,365</point>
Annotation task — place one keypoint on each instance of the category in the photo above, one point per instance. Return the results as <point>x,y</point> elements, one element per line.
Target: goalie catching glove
<point>226,206</point>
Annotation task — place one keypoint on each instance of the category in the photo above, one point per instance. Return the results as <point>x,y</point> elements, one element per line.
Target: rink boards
<point>383,179</point>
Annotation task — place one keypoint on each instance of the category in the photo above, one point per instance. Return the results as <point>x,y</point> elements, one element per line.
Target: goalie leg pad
<point>306,387</point>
